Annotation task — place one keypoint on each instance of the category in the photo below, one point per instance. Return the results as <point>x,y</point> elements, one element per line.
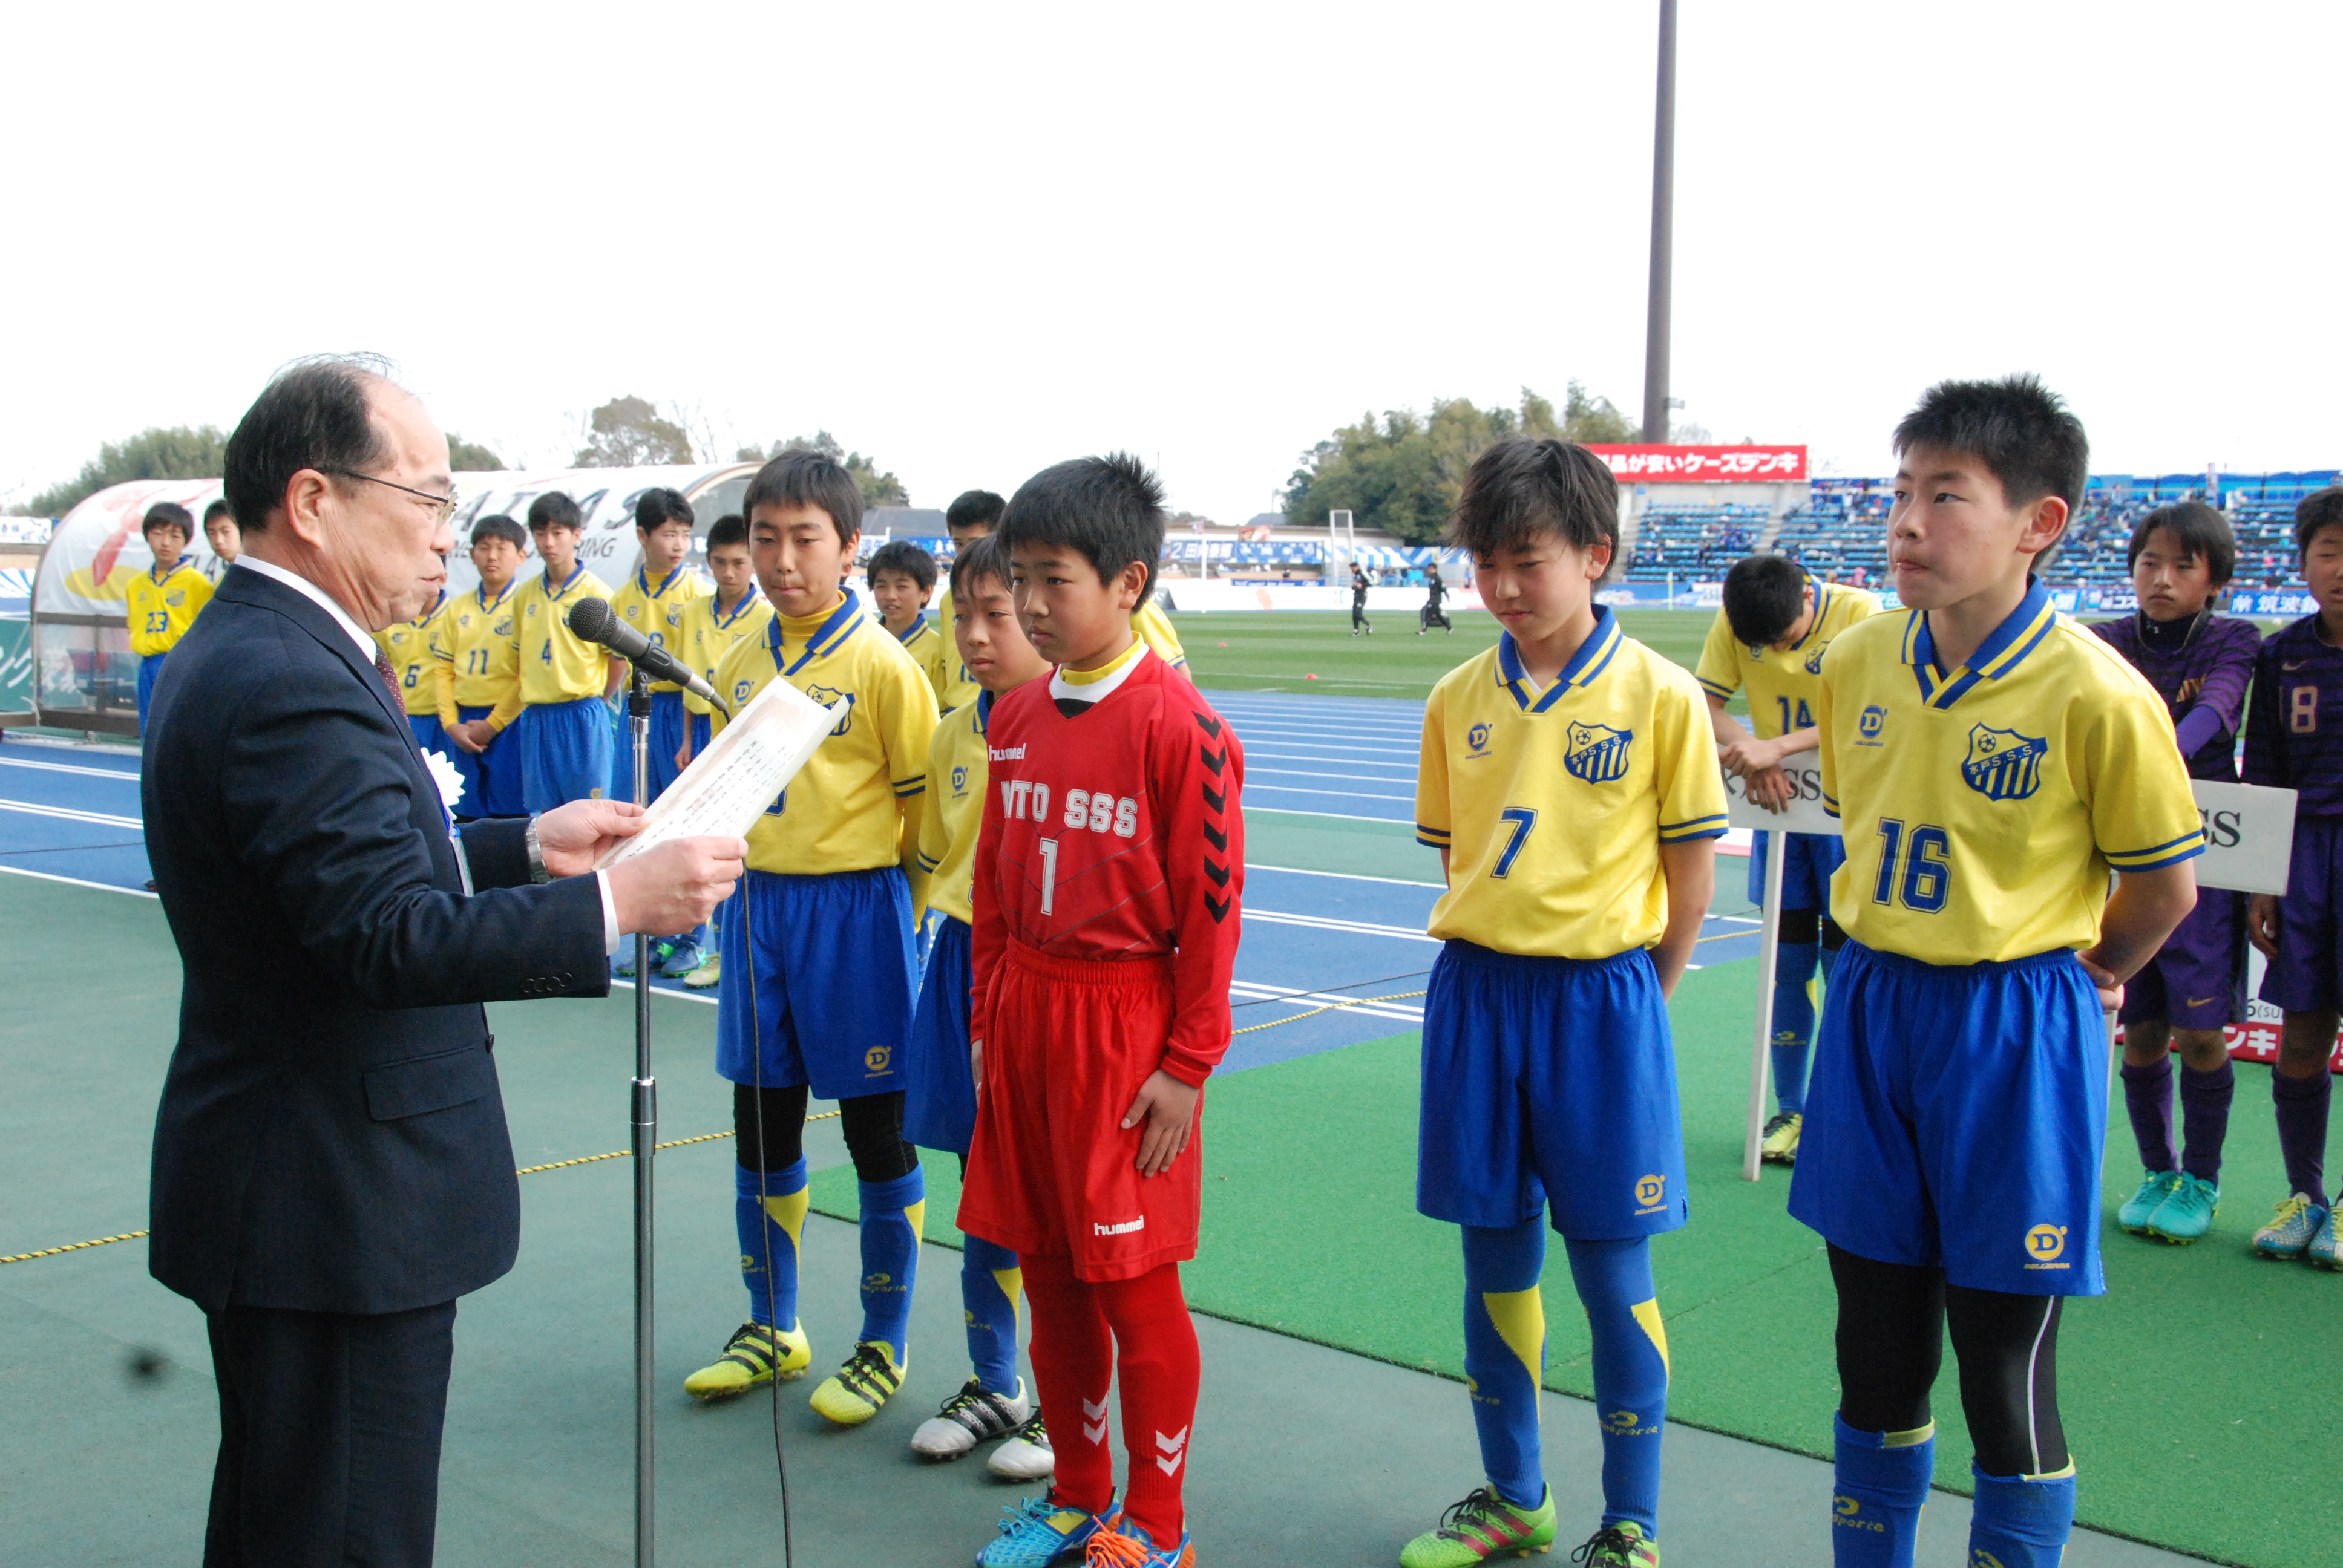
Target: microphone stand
<point>644,1107</point>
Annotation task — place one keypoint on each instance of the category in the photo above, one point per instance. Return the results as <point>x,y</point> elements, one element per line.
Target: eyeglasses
<point>442,507</point>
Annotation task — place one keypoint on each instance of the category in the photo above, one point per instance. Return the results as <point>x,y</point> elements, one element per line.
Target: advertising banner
<point>1704,465</point>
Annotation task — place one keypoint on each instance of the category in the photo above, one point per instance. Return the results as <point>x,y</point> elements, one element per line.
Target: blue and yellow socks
<point>1631,1373</point>
<point>893,1213</point>
<point>2022,1521</point>
<point>1504,1353</point>
<point>1883,1484</point>
<point>1504,1360</point>
<point>1794,1023</point>
<point>991,1289</point>
<point>770,1232</point>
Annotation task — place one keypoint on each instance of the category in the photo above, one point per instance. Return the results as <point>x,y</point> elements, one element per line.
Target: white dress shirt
<point>368,651</point>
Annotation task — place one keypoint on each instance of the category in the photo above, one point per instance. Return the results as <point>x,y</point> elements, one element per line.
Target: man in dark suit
<point>331,1164</point>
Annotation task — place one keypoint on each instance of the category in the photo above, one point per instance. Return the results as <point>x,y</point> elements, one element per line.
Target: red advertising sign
<point>1704,465</point>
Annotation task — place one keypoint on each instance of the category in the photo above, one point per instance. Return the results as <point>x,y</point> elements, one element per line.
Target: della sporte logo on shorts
<point>2044,1244</point>
<point>1652,1193</point>
<point>1597,753</point>
<point>2004,764</point>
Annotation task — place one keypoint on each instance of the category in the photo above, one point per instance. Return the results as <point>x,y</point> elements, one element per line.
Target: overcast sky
<point>973,240</point>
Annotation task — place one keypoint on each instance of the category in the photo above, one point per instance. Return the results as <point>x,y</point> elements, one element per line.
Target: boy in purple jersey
<point>2182,557</point>
<point>2294,741</point>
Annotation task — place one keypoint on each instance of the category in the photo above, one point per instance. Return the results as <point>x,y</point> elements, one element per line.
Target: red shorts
<point>1051,1169</point>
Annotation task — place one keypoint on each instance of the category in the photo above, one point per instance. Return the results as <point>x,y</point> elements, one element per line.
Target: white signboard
<point>744,769</point>
<point>1804,814</point>
<point>2248,835</point>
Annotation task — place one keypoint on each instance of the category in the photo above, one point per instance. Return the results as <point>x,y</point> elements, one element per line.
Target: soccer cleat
<point>2289,1233</point>
<point>2324,1246</point>
<point>1123,1545</point>
<point>682,960</point>
<point>1027,1455</point>
<point>706,976</point>
<point>1621,1545</point>
<point>971,1416</point>
<point>860,1388</point>
<point>756,1355</point>
<point>1038,1531</point>
<point>1780,1146</point>
<point>1483,1526</point>
<point>2141,1207</point>
<point>625,966</point>
<point>2187,1213</point>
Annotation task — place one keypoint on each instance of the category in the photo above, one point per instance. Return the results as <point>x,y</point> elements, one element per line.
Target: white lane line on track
<point>1330,816</point>
<point>1355,927</point>
<point>1330,739</point>
<point>76,881</point>
<point>1338,794</point>
<point>69,767</point>
<point>67,813</point>
<point>1349,876</point>
<point>1254,754</point>
<point>1252,772</point>
<point>1307,1000</point>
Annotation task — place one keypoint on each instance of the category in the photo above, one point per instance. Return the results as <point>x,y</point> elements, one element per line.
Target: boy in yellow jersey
<point>652,601</point>
<point>713,624</point>
<point>226,540</point>
<point>939,1106</point>
<point>1769,637</point>
<point>1569,780</point>
<point>819,978</point>
<point>478,661</point>
<point>564,729</point>
<point>973,515</point>
<point>902,578</point>
<point>408,645</point>
<point>164,600</point>
<point>1991,761</point>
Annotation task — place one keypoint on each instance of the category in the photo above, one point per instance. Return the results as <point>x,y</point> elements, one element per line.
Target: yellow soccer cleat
<point>756,1355</point>
<point>861,1388</point>
<point>1781,1143</point>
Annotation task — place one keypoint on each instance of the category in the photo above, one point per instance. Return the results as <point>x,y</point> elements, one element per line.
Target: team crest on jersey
<point>2004,764</point>
<point>825,695</point>
<point>1597,753</point>
<point>505,627</point>
<point>1815,659</point>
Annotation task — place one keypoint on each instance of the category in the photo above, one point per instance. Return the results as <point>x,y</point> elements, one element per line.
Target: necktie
<point>390,679</point>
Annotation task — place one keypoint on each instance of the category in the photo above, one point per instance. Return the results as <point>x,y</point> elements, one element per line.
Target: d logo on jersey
<point>960,781</point>
<point>1597,753</point>
<point>1478,738</point>
<point>2004,764</point>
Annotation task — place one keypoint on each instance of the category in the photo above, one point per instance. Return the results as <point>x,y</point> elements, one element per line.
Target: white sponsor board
<point>1805,813</point>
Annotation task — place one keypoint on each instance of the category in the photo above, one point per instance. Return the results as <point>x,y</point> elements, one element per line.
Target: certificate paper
<point>728,787</point>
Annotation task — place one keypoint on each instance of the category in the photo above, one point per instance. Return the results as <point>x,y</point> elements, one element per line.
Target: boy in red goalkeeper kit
<point>1108,872</point>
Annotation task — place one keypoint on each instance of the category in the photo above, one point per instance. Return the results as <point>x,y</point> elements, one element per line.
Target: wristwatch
<point>537,871</point>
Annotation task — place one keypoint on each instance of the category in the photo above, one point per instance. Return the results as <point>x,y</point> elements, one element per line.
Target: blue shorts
<point>150,671</point>
<point>492,784</point>
<point>565,752</point>
<point>1549,1081</point>
<point>666,740</point>
<point>2308,975</point>
<point>429,736</point>
<point>1956,1117</point>
<point>834,981</point>
<point>703,730</point>
<point>1806,873</point>
<point>940,1107</point>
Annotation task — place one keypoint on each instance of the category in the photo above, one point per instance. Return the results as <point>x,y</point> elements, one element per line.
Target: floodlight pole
<point>1663,182</point>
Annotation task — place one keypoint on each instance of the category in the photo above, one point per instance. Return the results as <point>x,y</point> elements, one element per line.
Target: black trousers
<point>329,1437</point>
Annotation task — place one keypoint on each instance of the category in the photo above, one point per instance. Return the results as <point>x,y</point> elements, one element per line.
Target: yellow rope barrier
<point>1329,1007</point>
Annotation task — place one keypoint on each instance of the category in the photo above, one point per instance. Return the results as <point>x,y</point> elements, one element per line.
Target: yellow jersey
<point>956,778</point>
<point>1983,808</point>
<point>557,664</point>
<point>407,644</point>
<point>162,609</point>
<point>707,634</point>
<point>920,640</point>
<point>1782,685</point>
<point>954,687</point>
<point>857,803</point>
<point>1552,805</point>
<point>479,657</point>
<point>658,612</point>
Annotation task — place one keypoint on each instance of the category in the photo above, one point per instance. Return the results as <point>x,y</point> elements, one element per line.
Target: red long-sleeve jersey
<point>1116,833</point>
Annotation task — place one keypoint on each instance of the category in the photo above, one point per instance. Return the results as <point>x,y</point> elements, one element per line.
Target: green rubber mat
<point>2183,1435</point>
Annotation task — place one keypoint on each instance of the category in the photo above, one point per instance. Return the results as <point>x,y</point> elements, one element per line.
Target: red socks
<point>1083,1334</point>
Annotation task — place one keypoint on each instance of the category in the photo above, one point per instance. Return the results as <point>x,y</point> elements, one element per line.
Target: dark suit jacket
<point>331,1137</point>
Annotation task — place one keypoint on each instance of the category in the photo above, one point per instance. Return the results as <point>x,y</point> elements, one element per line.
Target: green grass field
<point>1313,650</point>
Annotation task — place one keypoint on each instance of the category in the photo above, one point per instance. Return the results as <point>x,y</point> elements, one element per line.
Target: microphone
<point>593,620</point>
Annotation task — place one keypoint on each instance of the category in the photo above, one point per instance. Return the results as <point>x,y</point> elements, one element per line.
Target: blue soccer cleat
<point>1123,1545</point>
<point>2187,1214</point>
<point>2325,1245</point>
<point>2289,1233</point>
<point>681,960</point>
<point>624,967</point>
<point>2143,1204</point>
<point>1038,1532</point>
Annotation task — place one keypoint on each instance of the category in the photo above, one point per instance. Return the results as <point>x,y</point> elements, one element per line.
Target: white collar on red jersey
<point>1103,687</point>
